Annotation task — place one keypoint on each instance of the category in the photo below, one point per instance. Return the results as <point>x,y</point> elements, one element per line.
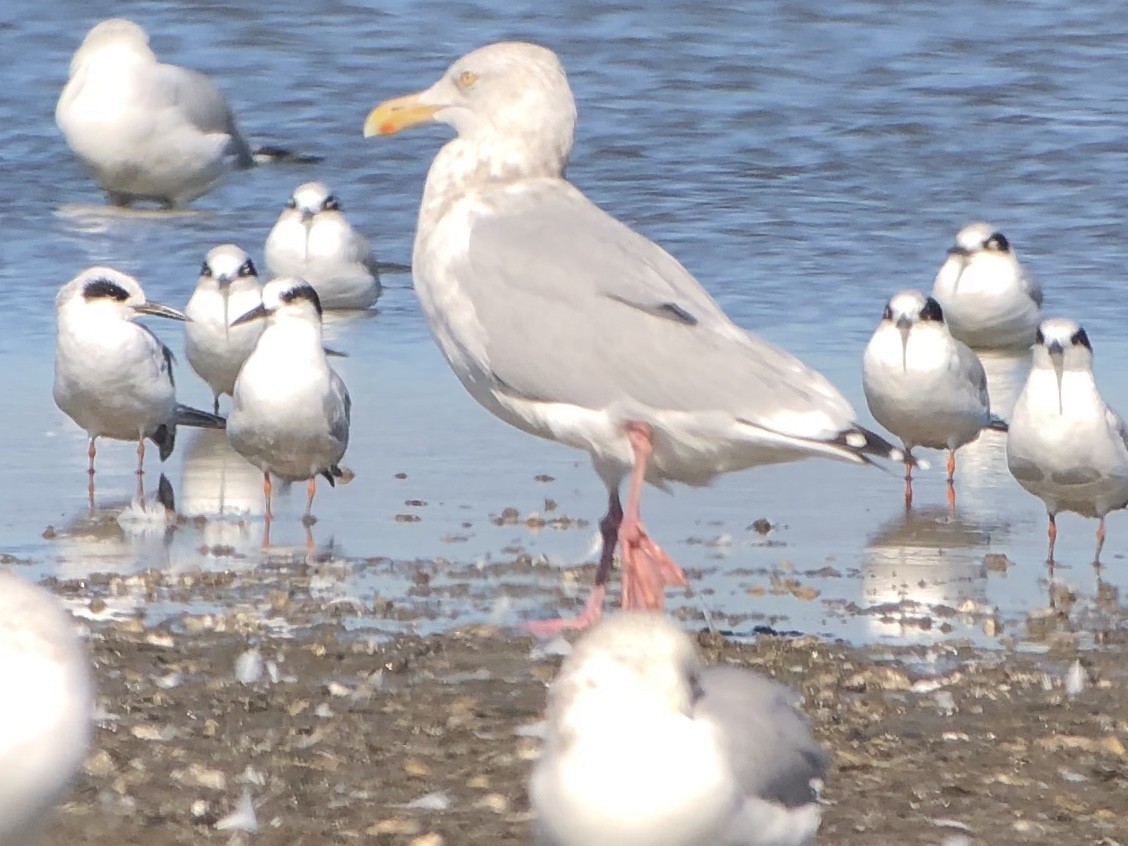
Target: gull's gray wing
<point>202,104</point>
<point>768,741</point>
<point>573,306</point>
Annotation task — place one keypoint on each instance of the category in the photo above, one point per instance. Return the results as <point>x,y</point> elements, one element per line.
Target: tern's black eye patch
<point>301,292</point>
<point>1039,338</point>
<point>205,270</point>
<point>888,313</point>
<point>248,269</point>
<point>97,289</point>
<point>997,242</point>
<point>331,203</point>
<point>1082,339</point>
<point>932,311</point>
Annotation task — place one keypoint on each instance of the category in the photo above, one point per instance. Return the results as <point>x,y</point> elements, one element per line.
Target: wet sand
<point>346,726</point>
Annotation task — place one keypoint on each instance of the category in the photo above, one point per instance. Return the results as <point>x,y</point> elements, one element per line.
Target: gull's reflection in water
<point>982,477</point>
<point>924,568</point>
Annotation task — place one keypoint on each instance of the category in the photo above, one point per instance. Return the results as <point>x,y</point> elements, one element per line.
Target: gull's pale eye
<point>247,269</point>
<point>205,270</point>
<point>997,242</point>
<point>932,311</point>
<point>1080,338</point>
<point>466,79</point>
<point>888,313</point>
<point>291,203</point>
<point>331,204</point>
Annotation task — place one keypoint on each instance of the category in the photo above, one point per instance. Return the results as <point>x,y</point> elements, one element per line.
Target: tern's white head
<point>510,100</point>
<point>286,298</point>
<point>907,311</point>
<point>102,293</point>
<point>311,199</point>
<point>1062,345</point>
<point>633,661</point>
<point>977,238</point>
<point>225,266</point>
<point>113,42</point>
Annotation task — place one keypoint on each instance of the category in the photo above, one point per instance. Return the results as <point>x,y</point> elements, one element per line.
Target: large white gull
<point>569,325</point>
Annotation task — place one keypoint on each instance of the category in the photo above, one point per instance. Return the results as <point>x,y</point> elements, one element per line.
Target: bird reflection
<point>220,486</point>
<point>920,568</point>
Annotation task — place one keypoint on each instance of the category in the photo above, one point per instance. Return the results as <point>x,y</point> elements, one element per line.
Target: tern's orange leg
<point>908,480</point>
<point>311,492</point>
<point>1100,541</point>
<point>647,569</point>
<point>267,490</point>
<point>140,455</point>
<point>1051,533</point>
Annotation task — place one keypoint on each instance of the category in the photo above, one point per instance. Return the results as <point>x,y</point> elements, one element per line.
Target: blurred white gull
<point>228,287</point>
<point>989,299</point>
<point>647,747</point>
<point>1066,445</point>
<point>567,324</point>
<point>46,707</point>
<point>290,412</point>
<point>923,385</point>
<point>314,240</point>
<point>146,130</point>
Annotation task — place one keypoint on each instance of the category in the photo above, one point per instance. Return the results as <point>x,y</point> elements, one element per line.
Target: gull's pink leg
<point>593,611</point>
<point>647,569</point>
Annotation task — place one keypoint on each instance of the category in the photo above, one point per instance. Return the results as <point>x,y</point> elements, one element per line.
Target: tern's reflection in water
<point>922,567</point>
<point>222,487</point>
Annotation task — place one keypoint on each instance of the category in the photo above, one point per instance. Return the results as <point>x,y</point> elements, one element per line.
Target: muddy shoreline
<point>340,732</point>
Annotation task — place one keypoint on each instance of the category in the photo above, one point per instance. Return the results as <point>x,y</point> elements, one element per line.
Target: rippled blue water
<point>802,162</point>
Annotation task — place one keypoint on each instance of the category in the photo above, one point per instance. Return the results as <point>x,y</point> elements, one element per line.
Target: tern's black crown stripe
<point>1081,337</point>
<point>932,311</point>
<point>301,292</point>
<point>104,288</point>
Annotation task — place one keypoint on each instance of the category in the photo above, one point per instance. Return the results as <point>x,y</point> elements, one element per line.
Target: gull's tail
<point>998,424</point>
<point>268,153</point>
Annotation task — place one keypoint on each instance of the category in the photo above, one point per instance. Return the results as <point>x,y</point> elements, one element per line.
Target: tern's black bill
<point>158,310</point>
<point>255,313</point>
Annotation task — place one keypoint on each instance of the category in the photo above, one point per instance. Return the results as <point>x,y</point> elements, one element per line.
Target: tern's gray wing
<point>970,368</point>
<point>768,741</point>
<point>203,105</point>
<point>573,306</point>
<point>1032,287</point>
<point>167,357</point>
<point>338,408</point>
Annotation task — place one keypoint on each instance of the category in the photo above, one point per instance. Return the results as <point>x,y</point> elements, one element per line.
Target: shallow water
<point>804,164</point>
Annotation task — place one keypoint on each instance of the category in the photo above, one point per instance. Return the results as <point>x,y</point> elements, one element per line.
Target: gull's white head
<point>510,100</point>
<point>225,265</point>
<point>286,298</point>
<point>112,41</point>
<point>102,293</point>
<point>632,661</point>
<point>311,199</point>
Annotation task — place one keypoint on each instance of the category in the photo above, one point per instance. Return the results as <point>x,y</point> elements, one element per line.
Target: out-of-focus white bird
<point>113,377</point>
<point>290,415</point>
<point>146,130</point>
<point>647,747</point>
<point>315,241</point>
<point>1066,445</point>
<point>46,707</point>
<point>567,324</point>
<point>228,287</point>
<point>923,385</point>
<point>989,299</point>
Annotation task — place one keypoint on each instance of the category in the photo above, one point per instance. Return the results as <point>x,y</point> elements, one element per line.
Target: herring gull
<point>46,706</point>
<point>644,745</point>
<point>923,385</point>
<point>990,300</point>
<point>314,240</point>
<point>567,324</point>
<point>146,130</point>
<point>1066,445</point>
